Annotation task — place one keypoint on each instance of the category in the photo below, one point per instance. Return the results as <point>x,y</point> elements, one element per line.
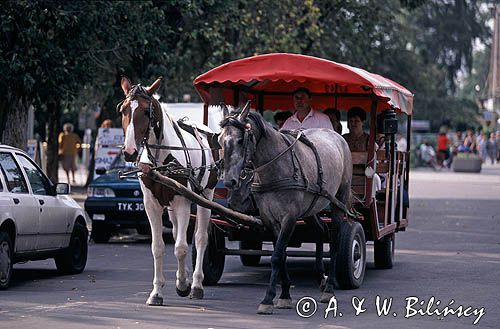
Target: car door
<point>53,212</point>
<point>25,209</point>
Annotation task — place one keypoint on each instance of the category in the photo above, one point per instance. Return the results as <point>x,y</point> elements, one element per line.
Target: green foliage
<point>74,52</point>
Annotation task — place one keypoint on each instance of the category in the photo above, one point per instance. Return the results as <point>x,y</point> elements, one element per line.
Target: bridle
<point>154,122</point>
<point>250,143</point>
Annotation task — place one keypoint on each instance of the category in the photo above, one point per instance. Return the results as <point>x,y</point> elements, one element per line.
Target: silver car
<point>38,220</point>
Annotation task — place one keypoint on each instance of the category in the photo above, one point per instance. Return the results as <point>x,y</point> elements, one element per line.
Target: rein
<point>279,155</point>
<point>155,123</point>
<point>287,183</point>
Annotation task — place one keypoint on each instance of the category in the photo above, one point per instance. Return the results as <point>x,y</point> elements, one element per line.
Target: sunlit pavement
<point>450,251</point>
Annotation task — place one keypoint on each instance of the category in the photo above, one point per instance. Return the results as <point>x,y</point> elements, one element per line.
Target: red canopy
<point>268,80</point>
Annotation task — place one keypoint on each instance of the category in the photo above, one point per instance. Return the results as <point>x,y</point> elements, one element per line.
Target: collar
<point>309,115</point>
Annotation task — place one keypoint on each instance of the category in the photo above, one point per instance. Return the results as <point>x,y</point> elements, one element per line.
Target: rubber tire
<point>100,232</point>
<point>5,239</point>
<point>345,267</point>
<point>250,260</point>
<point>384,252</point>
<point>74,258</point>
<point>213,262</point>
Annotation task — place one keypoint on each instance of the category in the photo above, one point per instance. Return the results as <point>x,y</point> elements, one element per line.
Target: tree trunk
<point>14,122</point>
<point>53,113</point>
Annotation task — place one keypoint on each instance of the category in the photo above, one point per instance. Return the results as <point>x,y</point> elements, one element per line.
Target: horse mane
<point>233,120</point>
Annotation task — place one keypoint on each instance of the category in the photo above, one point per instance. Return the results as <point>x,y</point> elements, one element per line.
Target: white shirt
<point>313,119</point>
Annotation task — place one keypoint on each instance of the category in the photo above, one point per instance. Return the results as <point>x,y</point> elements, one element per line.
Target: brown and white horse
<point>146,124</point>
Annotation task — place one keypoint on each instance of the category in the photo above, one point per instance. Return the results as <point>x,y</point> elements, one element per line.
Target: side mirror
<point>62,188</point>
<point>100,171</point>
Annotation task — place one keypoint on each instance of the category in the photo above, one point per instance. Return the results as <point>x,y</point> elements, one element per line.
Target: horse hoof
<point>196,293</point>
<point>284,303</point>
<point>155,301</point>
<point>322,284</point>
<point>265,309</point>
<point>326,296</point>
<point>183,293</point>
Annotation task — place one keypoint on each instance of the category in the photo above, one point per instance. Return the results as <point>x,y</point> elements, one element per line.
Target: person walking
<point>69,142</point>
<point>492,147</point>
<point>442,147</point>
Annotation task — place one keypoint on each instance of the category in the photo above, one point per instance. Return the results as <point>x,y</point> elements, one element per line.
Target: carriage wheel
<point>213,262</point>
<point>250,260</point>
<point>384,252</point>
<point>351,257</point>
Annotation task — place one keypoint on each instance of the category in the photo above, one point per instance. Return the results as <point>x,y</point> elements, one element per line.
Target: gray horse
<point>289,184</point>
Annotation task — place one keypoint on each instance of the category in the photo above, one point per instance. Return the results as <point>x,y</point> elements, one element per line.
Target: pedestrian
<point>442,147</point>
<point>483,148</point>
<point>492,147</point>
<point>497,138</point>
<point>69,143</point>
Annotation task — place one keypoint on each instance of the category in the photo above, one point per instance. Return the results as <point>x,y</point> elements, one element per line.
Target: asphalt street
<point>450,253</point>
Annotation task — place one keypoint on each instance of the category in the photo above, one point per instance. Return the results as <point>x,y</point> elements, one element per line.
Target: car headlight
<point>100,192</point>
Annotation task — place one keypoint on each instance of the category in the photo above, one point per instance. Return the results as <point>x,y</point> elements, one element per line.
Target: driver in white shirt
<point>305,117</point>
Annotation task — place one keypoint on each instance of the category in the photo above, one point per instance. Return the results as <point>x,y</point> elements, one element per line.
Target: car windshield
<point>119,164</point>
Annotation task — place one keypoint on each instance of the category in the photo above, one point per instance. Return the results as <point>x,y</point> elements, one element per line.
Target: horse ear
<point>244,112</point>
<point>126,85</point>
<point>225,110</point>
<point>154,87</point>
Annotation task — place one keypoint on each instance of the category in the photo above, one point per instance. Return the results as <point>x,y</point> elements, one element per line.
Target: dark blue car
<point>114,203</point>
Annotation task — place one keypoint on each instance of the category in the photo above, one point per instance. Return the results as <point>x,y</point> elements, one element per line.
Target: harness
<point>298,181</point>
<point>172,166</point>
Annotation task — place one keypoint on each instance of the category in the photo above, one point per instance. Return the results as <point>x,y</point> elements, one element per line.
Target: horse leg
<point>181,208</point>
<point>277,260</point>
<point>154,211</point>
<point>201,241</point>
<point>319,267</point>
<point>285,300</point>
<point>328,291</point>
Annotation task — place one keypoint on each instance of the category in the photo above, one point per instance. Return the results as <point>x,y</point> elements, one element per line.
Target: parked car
<point>114,203</point>
<point>38,219</point>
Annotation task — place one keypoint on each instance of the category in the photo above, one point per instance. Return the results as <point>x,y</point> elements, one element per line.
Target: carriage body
<point>268,81</point>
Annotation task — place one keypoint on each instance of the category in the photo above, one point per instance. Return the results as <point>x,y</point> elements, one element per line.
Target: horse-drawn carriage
<point>307,185</point>
<point>268,81</point>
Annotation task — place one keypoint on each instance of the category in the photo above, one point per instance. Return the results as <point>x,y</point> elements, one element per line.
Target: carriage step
<point>289,253</point>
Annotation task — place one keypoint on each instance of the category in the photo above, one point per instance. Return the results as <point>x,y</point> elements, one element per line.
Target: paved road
<point>451,252</point>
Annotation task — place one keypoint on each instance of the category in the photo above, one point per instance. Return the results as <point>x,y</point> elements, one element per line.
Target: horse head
<point>238,138</point>
<point>140,112</point>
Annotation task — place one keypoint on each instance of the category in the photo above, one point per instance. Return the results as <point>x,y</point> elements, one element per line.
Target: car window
<point>120,163</point>
<point>12,174</point>
<point>39,183</point>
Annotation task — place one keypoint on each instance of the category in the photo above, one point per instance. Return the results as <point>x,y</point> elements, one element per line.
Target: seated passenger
<point>281,117</point>
<point>334,116</point>
<point>356,138</point>
<point>305,117</point>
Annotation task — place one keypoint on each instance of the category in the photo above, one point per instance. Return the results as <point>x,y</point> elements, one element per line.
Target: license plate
<point>130,206</point>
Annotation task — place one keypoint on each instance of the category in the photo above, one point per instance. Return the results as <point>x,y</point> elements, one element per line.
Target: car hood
<point>113,178</point>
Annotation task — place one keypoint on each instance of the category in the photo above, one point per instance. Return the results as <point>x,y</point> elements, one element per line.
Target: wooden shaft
<point>221,210</point>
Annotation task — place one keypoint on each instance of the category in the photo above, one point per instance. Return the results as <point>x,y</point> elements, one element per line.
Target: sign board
<point>110,137</point>
<point>109,143</point>
<point>32,149</point>
<point>488,116</point>
<point>421,125</point>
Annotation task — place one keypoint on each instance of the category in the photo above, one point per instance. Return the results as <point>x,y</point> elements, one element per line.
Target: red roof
<point>276,76</point>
